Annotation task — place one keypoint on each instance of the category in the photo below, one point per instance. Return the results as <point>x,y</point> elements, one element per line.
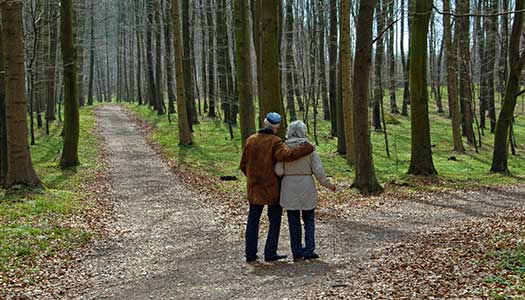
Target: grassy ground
<point>37,225</point>
<point>216,154</point>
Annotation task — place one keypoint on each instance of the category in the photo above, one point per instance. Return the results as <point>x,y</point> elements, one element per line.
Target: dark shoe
<point>275,257</point>
<point>311,256</point>
<point>251,258</point>
<point>298,257</point>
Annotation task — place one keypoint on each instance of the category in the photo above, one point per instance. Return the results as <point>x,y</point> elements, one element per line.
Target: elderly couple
<point>280,176</point>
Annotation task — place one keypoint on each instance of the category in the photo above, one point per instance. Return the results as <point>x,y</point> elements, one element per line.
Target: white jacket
<point>298,190</point>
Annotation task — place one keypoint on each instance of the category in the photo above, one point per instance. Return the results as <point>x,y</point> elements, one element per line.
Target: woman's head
<point>296,129</point>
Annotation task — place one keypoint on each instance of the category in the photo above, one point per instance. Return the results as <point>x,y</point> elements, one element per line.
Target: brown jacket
<point>262,151</point>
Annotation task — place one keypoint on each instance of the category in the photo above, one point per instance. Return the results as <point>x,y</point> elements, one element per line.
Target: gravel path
<point>171,245</point>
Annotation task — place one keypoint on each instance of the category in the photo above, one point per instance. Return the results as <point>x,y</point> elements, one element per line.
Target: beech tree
<point>244,70</point>
<point>19,166</point>
<point>506,116</point>
<point>69,156</point>
<point>365,178</point>
<point>185,136</point>
<point>345,79</point>
<point>421,152</point>
<point>269,58</point>
<point>452,83</point>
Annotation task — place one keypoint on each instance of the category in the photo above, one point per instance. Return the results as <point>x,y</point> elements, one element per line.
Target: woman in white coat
<point>299,194</point>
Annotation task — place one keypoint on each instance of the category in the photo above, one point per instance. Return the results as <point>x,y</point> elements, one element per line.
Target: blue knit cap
<point>274,118</point>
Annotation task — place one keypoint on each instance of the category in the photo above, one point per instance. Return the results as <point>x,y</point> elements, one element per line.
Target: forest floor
<point>176,236</point>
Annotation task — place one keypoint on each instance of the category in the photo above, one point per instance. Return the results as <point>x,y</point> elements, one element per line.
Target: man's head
<point>272,121</point>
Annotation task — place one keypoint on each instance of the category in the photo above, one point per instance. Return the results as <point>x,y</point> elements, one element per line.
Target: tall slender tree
<point>506,115</point>
<point>378,64</point>
<point>421,152</point>
<point>91,52</point>
<point>365,178</point>
<point>332,57</point>
<point>268,39</point>
<point>185,136</point>
<point>158,59</point>
<point>244,69</point>
<point>20,168</point>
<point>465,92</point>
<point>290,64</point>
<point>452,83</point>
<point>345,78</point>
<point>3,135</point>
<point>69,156</point>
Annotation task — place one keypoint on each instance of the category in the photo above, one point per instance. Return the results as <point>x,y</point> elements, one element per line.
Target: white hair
<point>267,124</point>
<point>296,129</point>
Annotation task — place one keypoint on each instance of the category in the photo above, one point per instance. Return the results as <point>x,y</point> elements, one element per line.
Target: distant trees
<point>305,64</point>
<point>19,166</point>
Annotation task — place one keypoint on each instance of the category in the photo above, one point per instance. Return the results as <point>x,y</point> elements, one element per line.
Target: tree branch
<point>380,35</point>
<point>477,15</point>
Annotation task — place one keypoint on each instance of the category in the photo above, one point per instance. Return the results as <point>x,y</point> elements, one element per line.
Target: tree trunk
<point>365,178</point>
<point>149,55</point>
<point>404,62</point>
<point>211,65</point>
<point>3,136</point>
<point>244,68</point>
<point>78,39</point>
<point>51,73</point>
<point>168,59</point>
<point>158,59</point>
<point>392,59</point>
<point>71,101</point>
<point>270,82</point>
<point>492,33</point>
<point>506,116</point>
<point>378,63</point>
<point>483,67</point>
<point>465,94</point>
<point>345,76</point>
<point>290,89</point>
<point>322,64</point>
<point>421,152</point>
<point>20,168</point>
<point>91,53</point>
<point>185,136</point>
<point>332,53</point>
<point>504,42</point>
<point>139,53</point>
<point>188,72</point>
<point>452,84</point>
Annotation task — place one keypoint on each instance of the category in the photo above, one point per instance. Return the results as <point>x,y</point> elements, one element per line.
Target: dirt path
<point>171,245</point>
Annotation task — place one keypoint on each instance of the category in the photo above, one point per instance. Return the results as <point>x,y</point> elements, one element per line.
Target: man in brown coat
<point>262,150</point>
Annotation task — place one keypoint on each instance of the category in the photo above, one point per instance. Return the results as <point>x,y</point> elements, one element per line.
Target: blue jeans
<point>252,230</point>
<point>294,222</point>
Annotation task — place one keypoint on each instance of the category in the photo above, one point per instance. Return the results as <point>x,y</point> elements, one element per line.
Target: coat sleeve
<point>279,168</point>
<point>283,153</point>
<point>243,161</point>
<point>318,170</point>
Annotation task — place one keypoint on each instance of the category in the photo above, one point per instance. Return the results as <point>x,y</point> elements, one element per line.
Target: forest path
<point>172,246</point>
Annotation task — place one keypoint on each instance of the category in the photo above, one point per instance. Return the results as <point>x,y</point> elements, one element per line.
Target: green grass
<point>36,224</point>
<point>215,154</point>
<point>509,278</point>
